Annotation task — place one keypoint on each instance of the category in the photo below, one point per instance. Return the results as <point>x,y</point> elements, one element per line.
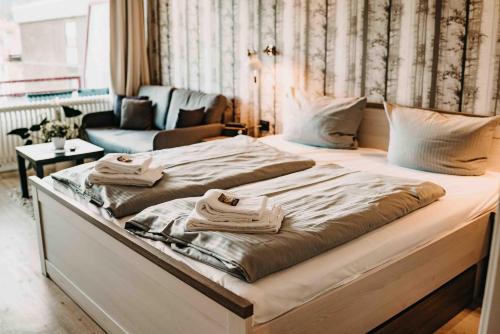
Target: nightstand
<point>215,138</point>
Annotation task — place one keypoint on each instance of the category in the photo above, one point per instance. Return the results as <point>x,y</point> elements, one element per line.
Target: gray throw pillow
<point>188,118</point>
<point>439,142</point>
<point>323,121</point>
<point>136,114</point>
<point>117,108</point>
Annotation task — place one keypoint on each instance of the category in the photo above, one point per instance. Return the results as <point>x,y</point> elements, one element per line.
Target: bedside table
<point>215,138</point>
<point>230,130</point>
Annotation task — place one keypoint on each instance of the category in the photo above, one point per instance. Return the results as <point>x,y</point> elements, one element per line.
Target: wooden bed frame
<point>128,286</point>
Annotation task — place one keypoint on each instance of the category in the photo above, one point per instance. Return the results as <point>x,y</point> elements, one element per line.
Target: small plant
<point>49,129</point>
<point>56,129</point>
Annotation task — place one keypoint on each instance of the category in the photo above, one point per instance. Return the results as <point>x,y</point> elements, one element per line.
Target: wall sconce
<point>270,50</point>
<point>253,60</point>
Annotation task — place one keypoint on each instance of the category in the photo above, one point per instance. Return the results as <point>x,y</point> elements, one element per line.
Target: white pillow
<point>439,142</point>
<point>323,121</point>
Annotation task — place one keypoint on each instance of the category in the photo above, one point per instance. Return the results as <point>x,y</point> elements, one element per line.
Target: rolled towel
<point>147,179</point>
<point>117,163</point>
<point>270,222</point>
<point>246,209</point>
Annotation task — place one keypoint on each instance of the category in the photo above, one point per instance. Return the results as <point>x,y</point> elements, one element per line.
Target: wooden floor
<point>31,303</point>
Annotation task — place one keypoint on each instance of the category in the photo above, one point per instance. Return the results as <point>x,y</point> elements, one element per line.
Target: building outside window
<point>51,48</point>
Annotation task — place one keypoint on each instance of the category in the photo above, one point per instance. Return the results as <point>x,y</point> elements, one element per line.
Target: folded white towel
<point>147,179</point>
<point>118,163</point>
<point>246,210</point>
<point>270,222</point>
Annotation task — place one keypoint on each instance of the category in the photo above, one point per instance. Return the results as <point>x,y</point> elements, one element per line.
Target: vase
<point>59,143</point>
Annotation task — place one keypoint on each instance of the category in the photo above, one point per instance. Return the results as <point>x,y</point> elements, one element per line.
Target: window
<point>71,43</point>
<point>53,48</point>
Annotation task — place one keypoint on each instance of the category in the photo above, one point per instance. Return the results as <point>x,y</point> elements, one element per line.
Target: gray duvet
<point>189,171</point>
<point>324,206</point>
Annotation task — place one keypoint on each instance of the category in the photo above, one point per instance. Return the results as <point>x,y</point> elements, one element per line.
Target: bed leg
<point>39,230</point>
<point>237,325</point>
<point>482,266</point>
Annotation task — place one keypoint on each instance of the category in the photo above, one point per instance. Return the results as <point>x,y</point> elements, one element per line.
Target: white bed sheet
<point>466,199</point>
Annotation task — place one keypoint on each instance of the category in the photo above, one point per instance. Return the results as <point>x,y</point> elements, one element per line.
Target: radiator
<point>25,115</point>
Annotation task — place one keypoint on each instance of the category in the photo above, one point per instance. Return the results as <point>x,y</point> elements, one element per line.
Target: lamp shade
<point>254,62</point>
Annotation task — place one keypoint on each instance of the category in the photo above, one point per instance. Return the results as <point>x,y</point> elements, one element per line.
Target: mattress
<point>467,198</point>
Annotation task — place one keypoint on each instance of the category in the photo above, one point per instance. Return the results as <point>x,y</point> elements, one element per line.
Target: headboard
<point>374,132</point>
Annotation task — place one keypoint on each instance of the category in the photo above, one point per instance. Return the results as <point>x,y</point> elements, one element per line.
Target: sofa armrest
<point>98,119</point>
<point>186,136</point>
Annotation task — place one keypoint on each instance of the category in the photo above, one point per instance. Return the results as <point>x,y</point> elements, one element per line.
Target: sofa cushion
<point>160,96</point>
<point>137,114</point>
<point>117,108</point>
<point>120,140</point>
<point>189,118</point>
<point>214,105</point>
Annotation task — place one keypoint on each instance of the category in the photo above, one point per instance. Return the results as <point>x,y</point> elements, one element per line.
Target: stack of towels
<point>223,211</point>
<point>128,170</point>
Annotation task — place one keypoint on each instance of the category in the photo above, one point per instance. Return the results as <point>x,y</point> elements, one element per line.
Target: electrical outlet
<point>264,125</point>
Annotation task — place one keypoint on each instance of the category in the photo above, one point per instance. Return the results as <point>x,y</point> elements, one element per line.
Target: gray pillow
<point>117,108</point>
<point>160,96</point>
<point>323,121</point>
<point>188,118</point>
<point>439,142</point>
<point>136,114</point>
<point>214,105</point>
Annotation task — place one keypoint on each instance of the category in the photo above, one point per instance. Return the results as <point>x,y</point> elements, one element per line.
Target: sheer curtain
<point>128,51</point>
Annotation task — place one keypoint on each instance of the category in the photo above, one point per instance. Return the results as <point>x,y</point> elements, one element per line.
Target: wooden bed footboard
<point>120,288</point>
<point>128,286</point>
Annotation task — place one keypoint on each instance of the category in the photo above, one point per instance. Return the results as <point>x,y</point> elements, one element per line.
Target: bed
<point>357,287</point>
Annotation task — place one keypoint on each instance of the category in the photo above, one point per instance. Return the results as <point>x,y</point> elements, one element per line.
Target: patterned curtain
<point>196,43</point>
<point>329,45</point>
<point>206,49</point>
<point>153,40</point>
<point>443,54</point>
<point>410,52</point>
<point>482,66</point>
<point>128,56</point>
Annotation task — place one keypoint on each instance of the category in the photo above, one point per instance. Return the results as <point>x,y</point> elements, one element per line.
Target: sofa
<point>102,128</point>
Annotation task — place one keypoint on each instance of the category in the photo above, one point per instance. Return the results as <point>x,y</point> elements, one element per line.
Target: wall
<point>441,54</point>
